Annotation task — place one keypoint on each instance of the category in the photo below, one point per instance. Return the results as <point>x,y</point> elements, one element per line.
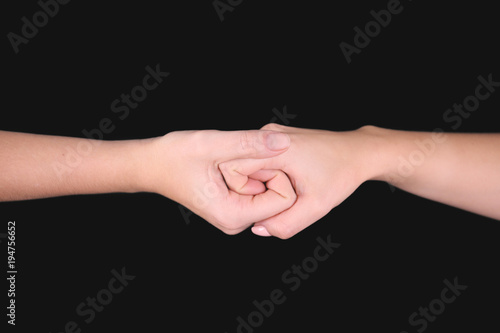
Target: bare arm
<point>458,169</point>
<point>461,170</point>
<point>182,166</point>
<point>37,166</point>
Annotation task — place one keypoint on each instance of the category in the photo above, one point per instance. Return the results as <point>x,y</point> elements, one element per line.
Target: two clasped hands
<point>277,180</point>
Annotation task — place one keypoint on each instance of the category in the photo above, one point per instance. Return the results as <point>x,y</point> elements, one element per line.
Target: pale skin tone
<point>182,166</point>
<point>461,170</point>
<point>239,179</point>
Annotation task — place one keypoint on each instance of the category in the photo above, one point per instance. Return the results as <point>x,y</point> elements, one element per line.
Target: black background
<point>396,248</point>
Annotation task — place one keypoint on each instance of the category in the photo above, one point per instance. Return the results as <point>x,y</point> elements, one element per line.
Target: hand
<point>186,169</point>
<point>324,168</point>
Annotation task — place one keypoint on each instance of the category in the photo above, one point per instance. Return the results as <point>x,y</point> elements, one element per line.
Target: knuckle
<point>247,142</point>
<point>273,127</point>
<point>244,143</point>
<point>224,167</point>
<point>229,167</point>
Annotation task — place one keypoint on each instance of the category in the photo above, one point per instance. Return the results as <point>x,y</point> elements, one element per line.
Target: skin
<point>182,166</point>
<point>280,179</point>
<point>461,170</point>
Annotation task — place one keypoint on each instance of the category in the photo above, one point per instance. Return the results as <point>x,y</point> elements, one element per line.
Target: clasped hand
<point>278,179</point>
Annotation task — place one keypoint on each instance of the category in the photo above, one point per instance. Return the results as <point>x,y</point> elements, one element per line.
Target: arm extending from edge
<point>37,166</point>
<point>458,169</point>
<point>325,167</point>
<point>183,166</point>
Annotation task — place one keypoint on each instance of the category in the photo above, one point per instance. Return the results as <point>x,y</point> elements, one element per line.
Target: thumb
<point>289,222</point>
<point>251,144</point>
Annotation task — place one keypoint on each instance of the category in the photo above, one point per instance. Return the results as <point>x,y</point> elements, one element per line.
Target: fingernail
<point>260,231</point>
<point>277,141</point>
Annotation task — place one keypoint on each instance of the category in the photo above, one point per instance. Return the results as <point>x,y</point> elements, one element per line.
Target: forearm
<point>38,166</point>
<point>461,170</point>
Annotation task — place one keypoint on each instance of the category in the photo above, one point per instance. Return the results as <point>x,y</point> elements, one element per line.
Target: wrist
<point>376,152</point>
<point>125,165</point>
<point>148,167</point>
